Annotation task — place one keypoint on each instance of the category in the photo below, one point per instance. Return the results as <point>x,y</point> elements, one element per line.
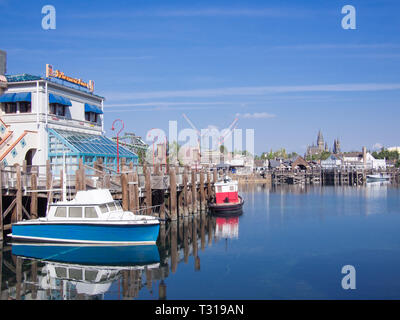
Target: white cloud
<point>264,90</point>
<point>377,146</point>
<point>255,115</point>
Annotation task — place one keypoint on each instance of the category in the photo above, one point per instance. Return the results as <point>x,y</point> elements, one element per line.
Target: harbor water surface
<point>291,242</point>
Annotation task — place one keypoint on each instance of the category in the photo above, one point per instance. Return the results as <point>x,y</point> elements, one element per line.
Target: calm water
<point>290,243</point>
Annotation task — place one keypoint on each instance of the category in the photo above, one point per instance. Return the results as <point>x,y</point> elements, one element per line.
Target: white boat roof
<point>95,196</point>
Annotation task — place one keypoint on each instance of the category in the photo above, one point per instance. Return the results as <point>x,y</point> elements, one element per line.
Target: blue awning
<point>53,98</point>
<point>7,97</point>
<point>92,108</point>
<point>22,96</point>
<point>15,97</point>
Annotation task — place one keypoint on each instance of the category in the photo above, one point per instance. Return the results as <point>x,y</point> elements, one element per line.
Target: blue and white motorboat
<point>92,217</point>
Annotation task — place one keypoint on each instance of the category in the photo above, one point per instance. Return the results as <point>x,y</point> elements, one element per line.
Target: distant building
<point>362,160</point>
<point>394,149</point>
<point>336,146</point>
<point>319,148</point>
<point>332,162</point>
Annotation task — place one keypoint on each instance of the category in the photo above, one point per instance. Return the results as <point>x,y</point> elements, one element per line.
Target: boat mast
<point>64,186</point>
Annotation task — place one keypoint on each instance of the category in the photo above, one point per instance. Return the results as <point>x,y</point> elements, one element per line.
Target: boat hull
<point>227,209</point>
<point>89,254</point>
<point>86,233</point>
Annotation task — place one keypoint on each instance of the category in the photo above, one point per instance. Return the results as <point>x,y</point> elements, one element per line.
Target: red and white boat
<point>227,200</point>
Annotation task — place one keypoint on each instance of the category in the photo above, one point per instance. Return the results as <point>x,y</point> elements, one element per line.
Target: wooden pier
<point>166,191</point>
<point>350,177</point>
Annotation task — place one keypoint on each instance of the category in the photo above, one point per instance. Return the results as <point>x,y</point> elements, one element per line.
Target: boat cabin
<point>226,191</point>
<point>91,204</point>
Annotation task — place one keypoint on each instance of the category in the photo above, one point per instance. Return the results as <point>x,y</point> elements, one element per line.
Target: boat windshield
<point>112,206</point>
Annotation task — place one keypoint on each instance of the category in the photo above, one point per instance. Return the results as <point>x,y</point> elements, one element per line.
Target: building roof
<point>22,77</point>
<point>90,144</point>
<point>25,77</point>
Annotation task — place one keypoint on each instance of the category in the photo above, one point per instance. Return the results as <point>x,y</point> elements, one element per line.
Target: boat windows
<point>75,274</point>
<point>90,212</point>
<point>118,205</point>
<point>103,208</point>
<point>219,189</point>
<point>90,275</point>
<point>75,212</point>
<point>111,206</point>
<point>61,212</point>
<point>61,272</point>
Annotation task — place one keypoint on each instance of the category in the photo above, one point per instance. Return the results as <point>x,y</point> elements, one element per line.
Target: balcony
<point>15,118</point>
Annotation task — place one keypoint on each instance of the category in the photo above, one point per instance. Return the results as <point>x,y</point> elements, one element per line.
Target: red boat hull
<point>227,208</point>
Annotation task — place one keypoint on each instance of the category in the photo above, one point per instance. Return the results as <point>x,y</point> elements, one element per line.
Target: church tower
<point>320,141</point>
<point>336,146</point>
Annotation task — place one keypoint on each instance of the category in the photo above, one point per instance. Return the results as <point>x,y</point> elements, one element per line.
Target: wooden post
<point>162,290</point>
<point>172,194</point>
<point>185,192</point>
<point>174,245</point>
<point>148,189</point>
<point>162,195</point>
<point>202,191</point>
<point>34,269</point>
<point>34,197</point>
<point>106,181</point>
<point>49,178</point>
<point>123,164</point>
<point>19,193</point>
<point>194,192</point>
<point>203,231</point>
<point>18,276</point>
<point>194,237</point>
<point>136,203</point>
<point>82,175</point>
<point>189,202</point>
<point>186,240</point>
<point>209,190</point>
<point>77,180</point>
<point>125,194</point>
<point>131,193</point>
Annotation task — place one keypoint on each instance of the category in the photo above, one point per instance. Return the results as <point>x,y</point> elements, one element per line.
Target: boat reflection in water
<point>68,271</point>
<point>227,227</point>
<point>85,271</point>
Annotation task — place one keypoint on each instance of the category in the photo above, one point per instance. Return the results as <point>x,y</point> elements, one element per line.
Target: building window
<point>57,109</point>
<point>10,107</point>
<point>25,107</point>
<point>91,117</point>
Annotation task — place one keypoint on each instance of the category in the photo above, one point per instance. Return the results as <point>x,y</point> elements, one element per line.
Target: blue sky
<point>285,68</point>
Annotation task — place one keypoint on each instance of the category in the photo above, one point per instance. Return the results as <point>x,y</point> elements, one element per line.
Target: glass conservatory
<point>88,147</point>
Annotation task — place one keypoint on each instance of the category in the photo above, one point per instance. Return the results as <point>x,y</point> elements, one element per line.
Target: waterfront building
<point>334,161</point>
<point>44,119</point>
<point>362,160</point>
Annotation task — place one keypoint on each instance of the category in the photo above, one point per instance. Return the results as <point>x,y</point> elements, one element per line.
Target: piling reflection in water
<point>49,272</point>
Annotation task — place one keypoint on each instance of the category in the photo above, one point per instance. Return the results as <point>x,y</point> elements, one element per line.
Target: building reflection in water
<point>92,272</point>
